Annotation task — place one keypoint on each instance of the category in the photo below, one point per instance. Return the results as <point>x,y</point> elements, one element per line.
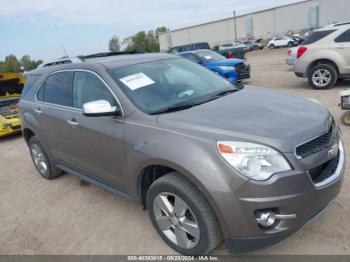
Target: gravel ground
<point>64,216</point>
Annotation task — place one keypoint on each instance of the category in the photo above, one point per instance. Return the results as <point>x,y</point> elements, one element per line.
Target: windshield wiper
<point>176,107</point>
<point>183,106</point>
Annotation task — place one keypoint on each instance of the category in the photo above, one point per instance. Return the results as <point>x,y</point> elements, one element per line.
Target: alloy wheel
<point>321,77</point>
<point>39,158</point>
<point>176,220</point>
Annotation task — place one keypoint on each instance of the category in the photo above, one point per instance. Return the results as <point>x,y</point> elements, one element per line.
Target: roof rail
<point>61,61</point>
<point>106,54</point>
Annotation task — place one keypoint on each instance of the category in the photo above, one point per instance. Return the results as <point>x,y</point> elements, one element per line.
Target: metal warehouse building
<point>293,18</point>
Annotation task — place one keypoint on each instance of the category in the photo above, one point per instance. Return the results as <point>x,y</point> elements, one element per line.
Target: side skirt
<point>95,181</point>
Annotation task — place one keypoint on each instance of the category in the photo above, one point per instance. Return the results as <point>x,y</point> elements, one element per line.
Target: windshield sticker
<point>208,57</point>
<point>136,81</point>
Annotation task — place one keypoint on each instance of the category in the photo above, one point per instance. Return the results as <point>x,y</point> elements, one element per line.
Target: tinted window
<point>31,79</point>
<point>202,46</point>
<point>316,36</point>
<point>87,88</point>
<point>57,89</point>
<point>345,37</point>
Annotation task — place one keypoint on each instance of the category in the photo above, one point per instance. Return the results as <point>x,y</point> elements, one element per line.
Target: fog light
<point>266,219</point>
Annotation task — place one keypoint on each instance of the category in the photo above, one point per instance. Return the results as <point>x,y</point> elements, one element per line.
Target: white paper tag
<point>136,81</point>
<point>208,57</point>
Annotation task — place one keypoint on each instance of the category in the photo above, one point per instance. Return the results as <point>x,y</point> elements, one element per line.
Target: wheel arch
<point>28,134</point>
<point>158,168</point>
<point>323,61</point>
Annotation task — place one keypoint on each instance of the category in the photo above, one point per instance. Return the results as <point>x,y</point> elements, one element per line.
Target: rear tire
<point>41,160</point>
<point>323,76</point>
<point>290,44</point>
<point>173,204</point>
<point>345,118</point>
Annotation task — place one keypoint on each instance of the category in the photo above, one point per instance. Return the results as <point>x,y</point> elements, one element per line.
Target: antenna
<point>64,50</point>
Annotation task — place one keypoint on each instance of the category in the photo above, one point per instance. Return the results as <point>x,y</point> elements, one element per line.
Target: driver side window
<point>87,88</point>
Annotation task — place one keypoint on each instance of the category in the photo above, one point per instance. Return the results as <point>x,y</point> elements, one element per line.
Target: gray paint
<point>112,151</point>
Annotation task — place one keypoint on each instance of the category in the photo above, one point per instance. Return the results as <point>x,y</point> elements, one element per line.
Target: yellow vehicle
<point>11,85</point>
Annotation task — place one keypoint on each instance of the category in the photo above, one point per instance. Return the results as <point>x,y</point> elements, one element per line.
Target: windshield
<point>157,85</point>
<point>210,56</point>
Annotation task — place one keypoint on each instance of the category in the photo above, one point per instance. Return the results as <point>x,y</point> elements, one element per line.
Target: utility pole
<point>235,25</point>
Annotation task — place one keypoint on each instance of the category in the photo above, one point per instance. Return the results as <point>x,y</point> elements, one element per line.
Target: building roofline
<point>242,15</point>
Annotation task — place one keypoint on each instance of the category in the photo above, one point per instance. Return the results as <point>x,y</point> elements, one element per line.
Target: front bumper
<point>243,72</point>
<point>291,192</point>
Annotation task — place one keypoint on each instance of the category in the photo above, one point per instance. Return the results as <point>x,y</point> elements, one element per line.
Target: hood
<point>254,114</point>
<point>226,62</point>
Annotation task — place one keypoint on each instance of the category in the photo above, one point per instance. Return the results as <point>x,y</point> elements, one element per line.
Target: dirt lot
<point>64,217</point>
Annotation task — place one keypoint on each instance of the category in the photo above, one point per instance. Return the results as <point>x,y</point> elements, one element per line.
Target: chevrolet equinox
<point>209,160</point>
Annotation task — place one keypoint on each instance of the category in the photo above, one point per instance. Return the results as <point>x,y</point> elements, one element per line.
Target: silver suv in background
<point>324,57</point>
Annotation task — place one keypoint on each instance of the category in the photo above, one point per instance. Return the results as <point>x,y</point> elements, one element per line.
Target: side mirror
<point>100,108</point>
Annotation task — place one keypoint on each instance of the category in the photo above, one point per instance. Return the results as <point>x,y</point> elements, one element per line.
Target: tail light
<point>301,51</point>
<point>230,55</point>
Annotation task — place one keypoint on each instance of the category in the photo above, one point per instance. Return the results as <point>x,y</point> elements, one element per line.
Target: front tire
<point>41,160</point>
<point>323,76</point>
<point>182,216</point>
<point>272,46</point>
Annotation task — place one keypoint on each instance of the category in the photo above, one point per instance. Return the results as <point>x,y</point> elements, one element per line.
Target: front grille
<point>242,70</point>
<point>318,144</point>
<point>322,172</point>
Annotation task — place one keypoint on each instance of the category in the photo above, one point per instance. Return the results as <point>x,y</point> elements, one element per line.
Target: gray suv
<point>209,160</point>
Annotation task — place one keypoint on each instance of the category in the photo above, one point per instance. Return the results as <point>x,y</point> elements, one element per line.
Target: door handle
<point>38,110</point>
<point>73,123</point>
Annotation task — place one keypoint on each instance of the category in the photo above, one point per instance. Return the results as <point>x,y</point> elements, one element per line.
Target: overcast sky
<point>41,27</point>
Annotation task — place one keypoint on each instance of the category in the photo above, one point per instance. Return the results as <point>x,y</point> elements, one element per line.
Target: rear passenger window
<point>345,37</point>
<point>57,89</point>
<point>31,79</point>
<point>87,87</point>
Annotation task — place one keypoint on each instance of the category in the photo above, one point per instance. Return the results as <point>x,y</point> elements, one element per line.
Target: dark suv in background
<point>207,160</point>
<point>189,47</point>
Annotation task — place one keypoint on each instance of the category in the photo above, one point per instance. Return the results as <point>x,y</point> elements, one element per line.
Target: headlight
<point>225,68</point>
<point>255,161</point>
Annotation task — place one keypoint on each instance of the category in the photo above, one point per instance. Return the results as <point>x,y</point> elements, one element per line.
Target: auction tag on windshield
<point>136,81</point>
<point>208,57</point>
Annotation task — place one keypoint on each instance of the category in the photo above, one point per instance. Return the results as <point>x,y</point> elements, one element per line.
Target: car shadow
<point>10,137</point>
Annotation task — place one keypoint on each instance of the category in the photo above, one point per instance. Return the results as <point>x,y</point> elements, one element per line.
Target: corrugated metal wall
<point>280,20</point>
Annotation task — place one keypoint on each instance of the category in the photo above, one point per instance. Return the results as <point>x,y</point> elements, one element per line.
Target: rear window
<point>31,79</point>
<point>317,36</point>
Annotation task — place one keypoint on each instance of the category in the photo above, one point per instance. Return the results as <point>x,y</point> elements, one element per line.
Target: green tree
<point>114,44</point>
<point>145,41</point>
<point>10,64</point>
<point>29,64</point>
<point>161,29</point>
